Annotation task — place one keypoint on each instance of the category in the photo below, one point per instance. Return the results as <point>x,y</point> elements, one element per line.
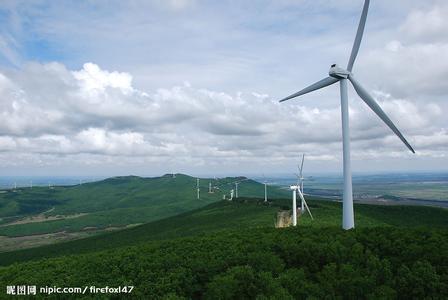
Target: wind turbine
<point>341,75</point>
<point>236,186</point>
<point>265,183</point>
<point>297,191</point>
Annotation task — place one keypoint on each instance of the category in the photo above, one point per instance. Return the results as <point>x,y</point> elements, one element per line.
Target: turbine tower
<point>341,75</point>
<point>294,204</point>
<point>197,188</point>
<point>265,183</point>
<point>265,191</point>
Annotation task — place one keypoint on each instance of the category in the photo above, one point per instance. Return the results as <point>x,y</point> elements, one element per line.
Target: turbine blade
<point>365,96</point>
<point>359,33</point>
<point>315,86</point>
<point>298,178</point>
<point>304,202</point>
<point>301,167</point>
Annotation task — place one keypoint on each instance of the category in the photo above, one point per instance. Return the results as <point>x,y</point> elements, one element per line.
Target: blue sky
<point>140,87</point>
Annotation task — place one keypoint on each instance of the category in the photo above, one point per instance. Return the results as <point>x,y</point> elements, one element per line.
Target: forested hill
<point>230,249</point>
<point>114,202</point>
<point>241,214</point>
<point>261,263</point>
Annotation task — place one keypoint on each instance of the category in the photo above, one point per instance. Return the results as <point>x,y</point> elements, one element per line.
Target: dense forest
<point>262,263</point>
<point>230,250</point>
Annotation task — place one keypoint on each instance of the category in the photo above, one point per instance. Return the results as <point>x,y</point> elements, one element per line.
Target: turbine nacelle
<point>338,72</point>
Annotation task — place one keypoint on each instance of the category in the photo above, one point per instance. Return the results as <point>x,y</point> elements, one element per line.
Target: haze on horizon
<point>152,87</point>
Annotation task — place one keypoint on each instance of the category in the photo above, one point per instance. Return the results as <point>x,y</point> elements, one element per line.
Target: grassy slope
<point>114,202</point>
<point>228,215</point>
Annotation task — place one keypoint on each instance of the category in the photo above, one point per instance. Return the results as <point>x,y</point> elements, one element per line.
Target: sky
<point>104,88</point>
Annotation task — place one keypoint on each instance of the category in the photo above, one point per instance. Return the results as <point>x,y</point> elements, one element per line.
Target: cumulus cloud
<point>98,112</point>
<point>427,25</point>
<point>102,112</point>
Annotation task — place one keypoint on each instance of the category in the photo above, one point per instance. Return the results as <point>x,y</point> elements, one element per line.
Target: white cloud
<point>427,25</point>
<point>93,81</point>
<point>100,113</point>
<point>133,106</point>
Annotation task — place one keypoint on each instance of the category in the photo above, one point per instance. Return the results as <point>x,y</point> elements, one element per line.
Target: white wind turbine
<point>266,183</point>
<point>341,75</point>
<point>236,186</point>
<point>298,190</point>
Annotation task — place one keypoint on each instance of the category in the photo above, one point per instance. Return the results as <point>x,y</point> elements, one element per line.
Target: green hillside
<point>230,250</point>
<point>111,203</point>
<point>241,213</point>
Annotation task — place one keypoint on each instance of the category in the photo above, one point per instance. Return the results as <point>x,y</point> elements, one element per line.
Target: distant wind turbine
<point>296,190</point>
<point>236,186</point>
<point>265,183</point>
<point>338,74</point>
